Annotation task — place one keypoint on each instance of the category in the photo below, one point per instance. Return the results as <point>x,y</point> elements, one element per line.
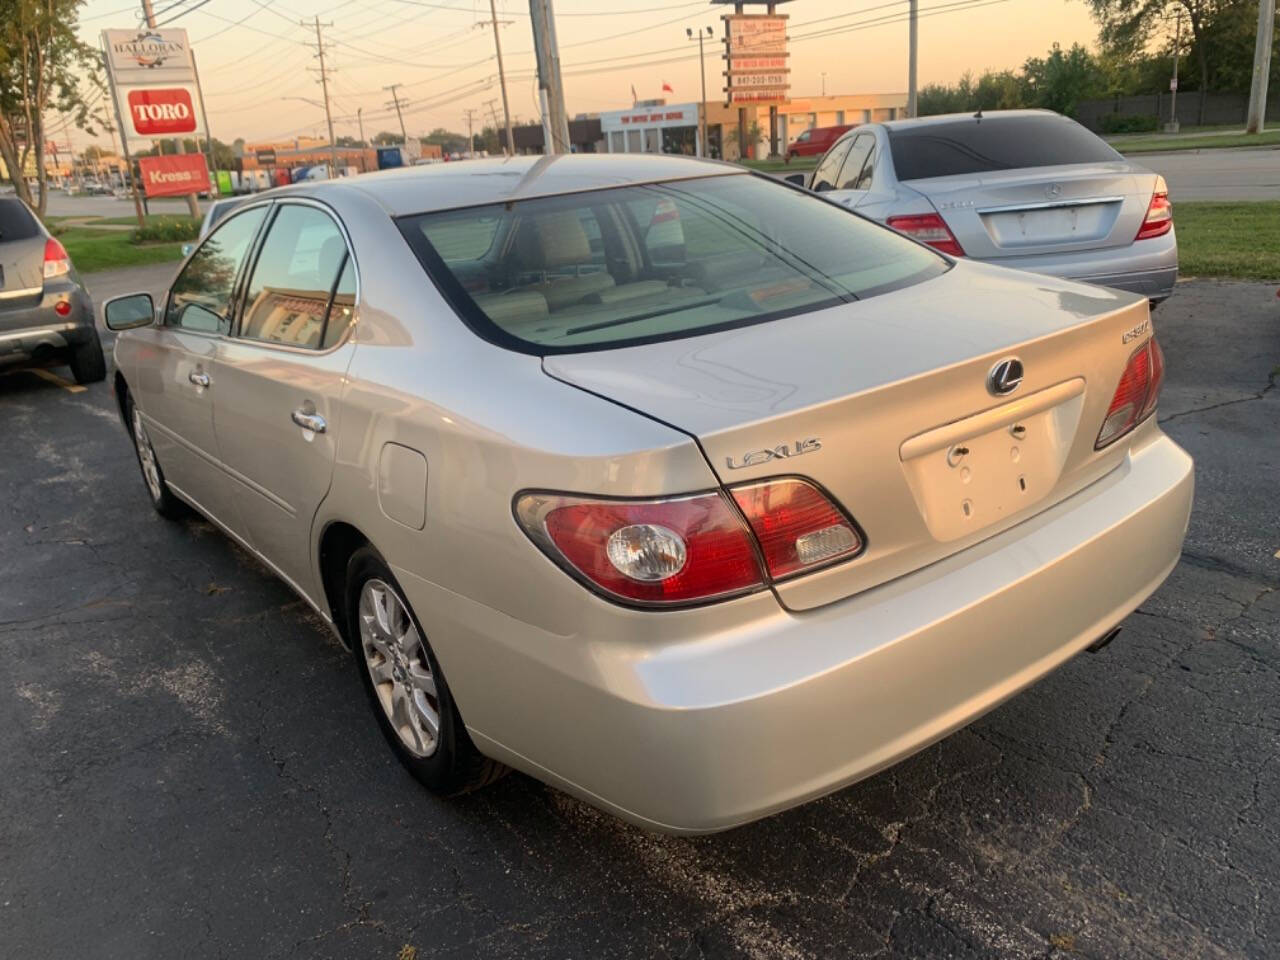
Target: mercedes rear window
<point>636,264</point>
<point>992,143</point>
<point>16,221</point>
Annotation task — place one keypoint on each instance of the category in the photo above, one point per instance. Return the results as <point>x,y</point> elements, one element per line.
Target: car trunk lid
<point>1015,213</point>
<point>885,404</point>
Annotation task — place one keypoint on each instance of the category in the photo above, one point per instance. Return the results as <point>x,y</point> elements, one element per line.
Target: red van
<point>815,141</point>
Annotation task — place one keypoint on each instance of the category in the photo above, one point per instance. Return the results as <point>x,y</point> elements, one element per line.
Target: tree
<point>448,141</point>
<point>40,57</point>
<point>385,138</point>
<point>1061,80</point>
<point>1127,27</point>
<point>351,142</point>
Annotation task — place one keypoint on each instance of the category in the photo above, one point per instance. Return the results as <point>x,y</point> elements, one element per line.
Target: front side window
<point>200,298</point>
<point>678,259</point>
<point>293,282</point>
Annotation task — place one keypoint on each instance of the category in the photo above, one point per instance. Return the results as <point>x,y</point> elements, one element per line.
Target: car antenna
<point>978,116</point>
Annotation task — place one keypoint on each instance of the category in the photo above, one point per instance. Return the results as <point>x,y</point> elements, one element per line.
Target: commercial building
<point>658,127</point>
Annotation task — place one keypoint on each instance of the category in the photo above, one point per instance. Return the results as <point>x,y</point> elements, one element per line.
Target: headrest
<point>553,240</point>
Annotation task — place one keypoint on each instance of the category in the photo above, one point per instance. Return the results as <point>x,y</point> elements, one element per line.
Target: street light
<point>701,36</point>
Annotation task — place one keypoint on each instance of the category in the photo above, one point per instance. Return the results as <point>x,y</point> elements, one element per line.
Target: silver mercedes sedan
<point>681,489</point>
<point>1022,188</point>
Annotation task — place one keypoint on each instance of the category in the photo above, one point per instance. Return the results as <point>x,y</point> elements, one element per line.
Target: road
<point>188,766</point>
<point>1245,174</point>
<point>61,205</point>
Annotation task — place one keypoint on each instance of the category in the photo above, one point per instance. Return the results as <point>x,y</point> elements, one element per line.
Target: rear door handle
<point>309,421</point>
<point>199,379</point>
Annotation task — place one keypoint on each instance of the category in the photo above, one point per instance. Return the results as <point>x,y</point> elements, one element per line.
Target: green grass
<point>1237,240</point>
<point>798,165</point>
<point>1143,144</point>
<point>93,250</point>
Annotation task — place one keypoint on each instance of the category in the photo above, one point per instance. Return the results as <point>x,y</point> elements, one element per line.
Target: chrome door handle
<point>199,379</point>
<point>309,421</point>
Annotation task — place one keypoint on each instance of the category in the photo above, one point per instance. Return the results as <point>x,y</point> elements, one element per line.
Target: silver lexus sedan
<point>671,485</point>
<point>1022,188</point>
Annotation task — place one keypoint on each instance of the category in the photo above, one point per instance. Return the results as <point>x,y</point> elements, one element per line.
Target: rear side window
<point>16,221</point>
<point>993,143</point>
<point>671,260</point>
<point>294,279</point>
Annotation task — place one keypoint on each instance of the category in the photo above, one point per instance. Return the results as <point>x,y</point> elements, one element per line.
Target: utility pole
<point>1261,66</point>
<point>502,77</point>
<point>471,140</point>
<point>149,14</point>
<point>360,122</point>
<point>324,86</point>
<point>824,83</point>
<point>913,37</point>
<point>395,99</point>
<point>702,107</point>
<point>555,121</point>
<point>1172,125</point>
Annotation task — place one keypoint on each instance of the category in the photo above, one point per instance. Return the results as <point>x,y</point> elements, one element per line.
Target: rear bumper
<point>1147,267</point>
<point>31,331</point>
<point>700,733</point>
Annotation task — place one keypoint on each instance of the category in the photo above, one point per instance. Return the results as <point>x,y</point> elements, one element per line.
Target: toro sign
<point>161,111</point>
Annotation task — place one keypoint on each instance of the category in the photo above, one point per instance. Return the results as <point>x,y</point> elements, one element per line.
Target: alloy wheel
<point>399,668</point>
<point>147,457</point>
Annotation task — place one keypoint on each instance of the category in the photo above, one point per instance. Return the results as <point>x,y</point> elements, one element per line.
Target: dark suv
<point>46,316</point>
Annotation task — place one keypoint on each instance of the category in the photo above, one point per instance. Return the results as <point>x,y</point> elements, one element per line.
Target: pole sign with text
<point>154,78</point>
<point>756,58</point>
<point>174,175</point>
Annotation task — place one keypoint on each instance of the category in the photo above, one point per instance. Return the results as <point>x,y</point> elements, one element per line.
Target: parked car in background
<point>1020,188</point>
<point>46,316</point>
<point>815,141</point>
<point>216,210</point>
<point>696,524</point>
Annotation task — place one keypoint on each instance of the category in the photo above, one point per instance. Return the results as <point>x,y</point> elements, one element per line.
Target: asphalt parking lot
<point>188,766</point>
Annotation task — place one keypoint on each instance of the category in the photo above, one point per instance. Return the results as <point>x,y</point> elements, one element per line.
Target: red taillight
<point>1135,397</point>
<point>1159,218</point>
<point>928,228</point>
<point>56,261</point>
<point>797,526</point>
<point>691,549</point>
<point>652,551</point>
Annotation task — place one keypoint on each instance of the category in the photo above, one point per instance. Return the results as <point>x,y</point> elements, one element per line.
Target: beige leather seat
<point>554,241</point>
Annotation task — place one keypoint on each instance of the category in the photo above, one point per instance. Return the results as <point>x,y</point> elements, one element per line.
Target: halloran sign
<point>756,58</point>
<point>149,56</point>
<point>154,77</point>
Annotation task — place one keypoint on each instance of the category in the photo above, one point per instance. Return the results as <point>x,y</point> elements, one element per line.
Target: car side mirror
<point>131,310</point>
<point>797,178</point>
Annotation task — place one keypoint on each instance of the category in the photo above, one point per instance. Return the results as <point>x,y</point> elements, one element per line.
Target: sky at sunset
<point>253,54</point>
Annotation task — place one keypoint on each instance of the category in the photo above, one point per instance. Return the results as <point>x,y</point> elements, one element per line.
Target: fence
<point>1219,108</point>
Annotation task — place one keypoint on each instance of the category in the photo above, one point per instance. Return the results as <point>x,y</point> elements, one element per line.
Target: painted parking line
<point>66,385</point>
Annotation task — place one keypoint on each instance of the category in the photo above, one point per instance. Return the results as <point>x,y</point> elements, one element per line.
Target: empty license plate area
<point>1077,222</point>
<point>975,472</point>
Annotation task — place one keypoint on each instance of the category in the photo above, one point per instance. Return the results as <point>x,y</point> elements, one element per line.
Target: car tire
<point>405,685</point>
<point>87,363</point>
<point>162,499</point>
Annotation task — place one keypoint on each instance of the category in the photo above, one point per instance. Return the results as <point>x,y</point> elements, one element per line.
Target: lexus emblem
<point>1005,376</point>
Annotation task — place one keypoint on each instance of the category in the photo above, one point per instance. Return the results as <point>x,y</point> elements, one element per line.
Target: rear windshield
<point>992,143</point>
<point>636,264</point>
<point>16,221</point>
